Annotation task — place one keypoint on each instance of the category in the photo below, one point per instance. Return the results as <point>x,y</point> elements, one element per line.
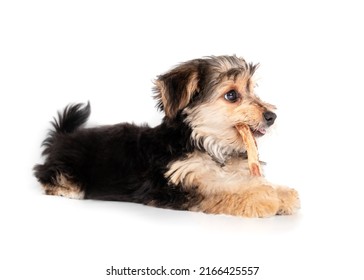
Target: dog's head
<point>213,95</point>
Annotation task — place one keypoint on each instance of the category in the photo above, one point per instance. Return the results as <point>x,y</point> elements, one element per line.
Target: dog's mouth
<point>258,132</point>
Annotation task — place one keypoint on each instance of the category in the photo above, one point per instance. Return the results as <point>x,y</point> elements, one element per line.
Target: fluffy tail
<point>72,117</point>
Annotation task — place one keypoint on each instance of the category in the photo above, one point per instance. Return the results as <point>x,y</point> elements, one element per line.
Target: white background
<point>311,55</point>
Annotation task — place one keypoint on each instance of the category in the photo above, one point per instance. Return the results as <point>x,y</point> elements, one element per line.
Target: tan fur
<point>260,201</point>
<point>220,174</point>
<point>206,163</point>
<point>166,97</point>
<point>289,201</point>
<point>229,189</point>
<point>64,187</point>
<point>208,130</point>
<point>212,133</point>
<point>199,169</point>
<point>161,93</point>
<point>191,87</point>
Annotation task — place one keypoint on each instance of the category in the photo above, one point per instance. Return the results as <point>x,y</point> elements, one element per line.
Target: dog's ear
<point>175,89</point>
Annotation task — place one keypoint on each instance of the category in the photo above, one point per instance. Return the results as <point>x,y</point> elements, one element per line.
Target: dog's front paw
<point>260,202</point>
<point>289,201</point>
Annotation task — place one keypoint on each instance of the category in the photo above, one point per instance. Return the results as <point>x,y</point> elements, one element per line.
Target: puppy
<point>194,160</point>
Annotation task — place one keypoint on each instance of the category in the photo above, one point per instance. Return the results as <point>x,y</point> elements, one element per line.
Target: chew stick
<point>251,148</point>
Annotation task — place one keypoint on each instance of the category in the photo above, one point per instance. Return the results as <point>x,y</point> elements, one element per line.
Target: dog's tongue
<point>262,131</point>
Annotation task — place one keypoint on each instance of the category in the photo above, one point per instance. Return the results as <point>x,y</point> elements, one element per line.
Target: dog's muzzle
<point>269,118</point>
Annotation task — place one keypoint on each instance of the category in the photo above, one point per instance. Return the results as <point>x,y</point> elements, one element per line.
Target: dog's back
<point>121,162</point>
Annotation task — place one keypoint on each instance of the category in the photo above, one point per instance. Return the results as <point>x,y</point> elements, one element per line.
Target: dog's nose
<point>269,117</point>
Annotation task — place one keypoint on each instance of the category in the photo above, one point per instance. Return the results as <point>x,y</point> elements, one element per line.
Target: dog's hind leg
<point>64,187</point>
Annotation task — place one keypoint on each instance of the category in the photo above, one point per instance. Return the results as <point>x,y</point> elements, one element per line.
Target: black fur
<point>72,118</point>
<point>99,159</point>
<point>179,164</point>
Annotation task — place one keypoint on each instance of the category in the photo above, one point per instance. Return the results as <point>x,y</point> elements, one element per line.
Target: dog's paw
<point>260,202</point>
<point>289,201</point>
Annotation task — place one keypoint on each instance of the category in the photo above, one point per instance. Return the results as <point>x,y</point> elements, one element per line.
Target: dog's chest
<point>199,170</point>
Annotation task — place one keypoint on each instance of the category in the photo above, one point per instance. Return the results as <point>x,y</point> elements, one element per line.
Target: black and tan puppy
<point>194,160</point>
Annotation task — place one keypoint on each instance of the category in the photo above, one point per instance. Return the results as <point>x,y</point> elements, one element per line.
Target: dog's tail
<point>72,117</point>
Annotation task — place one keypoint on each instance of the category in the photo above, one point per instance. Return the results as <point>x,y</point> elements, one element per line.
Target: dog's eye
<point>231,96</point>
